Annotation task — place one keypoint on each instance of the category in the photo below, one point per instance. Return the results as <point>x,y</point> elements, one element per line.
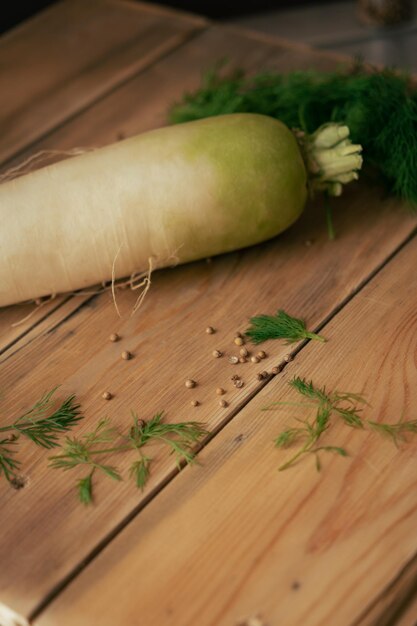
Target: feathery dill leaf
<point>342,405</point>
<point>39,427</point>
<point>85,450</point>
<point>378,106</point>
<point>8,464</point>
<point>396,431</point>
<point>44,429</point>
<point>279,326</point>
<point>139,471</point>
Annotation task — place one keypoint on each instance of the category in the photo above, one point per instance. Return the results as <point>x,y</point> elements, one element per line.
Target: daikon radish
<point>172,195</point>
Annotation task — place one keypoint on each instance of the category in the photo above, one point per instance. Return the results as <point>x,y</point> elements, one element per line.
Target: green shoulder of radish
<point>172,195</point>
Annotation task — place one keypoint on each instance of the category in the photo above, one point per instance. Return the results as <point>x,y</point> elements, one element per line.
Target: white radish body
<point>175,194</point>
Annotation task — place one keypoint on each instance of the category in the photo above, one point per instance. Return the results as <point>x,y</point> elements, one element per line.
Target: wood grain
<point>169,345</point>
<point>78,51</point>
<point>234,538</point>
<point>153,91</point>
<point>71,54</point>
<point>167,337</point>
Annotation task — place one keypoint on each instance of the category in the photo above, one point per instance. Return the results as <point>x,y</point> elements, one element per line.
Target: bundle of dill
<point>380,108</point>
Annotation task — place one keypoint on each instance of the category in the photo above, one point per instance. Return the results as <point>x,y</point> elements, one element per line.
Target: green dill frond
<point>140,470</point>
<point>396,431</point>
<point>309,390</point>
<point>379,107</point>
<point>87,449</point>
<point>288,437</point>
<point>8,464</point>
<point>279,326</point>
<point>44,430</point>
<point>85,489</point>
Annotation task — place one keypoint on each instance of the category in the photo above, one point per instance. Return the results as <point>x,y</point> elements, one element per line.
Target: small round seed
<point>107,395</point>
<point>195,403</point>
<point>217,354</point>
<point>288,358</point>
<point>114,337</point>
<point>243,352</point>
<point>220,391</point>
<point>265,374</point>
<point>239,341</point>
<point>261,354</point>
<point>126,355</point>
<point>275,370</point>
<point>223,403</point>
<point>243,359</point>
<point>238,384</point>
<point>190,383</point>
<point>235,377</point>
<point>210,330</point>
<point>233,359</point>
<point>255,359</point>
<point>260,376</point>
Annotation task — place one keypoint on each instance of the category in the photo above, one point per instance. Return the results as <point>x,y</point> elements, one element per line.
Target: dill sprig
<point>279,326</point>
<point>44,430</point>
<point>8,464</point>
<point>346,406</point>
<point>378,106</point>
<point>85,450</point>
<point>39,427</point>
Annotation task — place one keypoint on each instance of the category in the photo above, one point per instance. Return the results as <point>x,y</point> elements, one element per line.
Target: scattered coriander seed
<point>275,370</point>
<point>238,383</point>
<point>233,359</point>
<point>288,358</point>
<point>243,352</point>
<point>265,374</point>
<point>217,354</point>
<point>114,337</point>
<point>220,391</point>
<point>195,403</point>
<point>261,354</point>
<point>126,355</point>
<point>223,403</point>
<point>190,383</point>
<point>243,359</point>
<point>235,377</point>
<point>107,395</point>
<point>210,330</point>
<point>259,376</point>
<point>239,341</point>
<point>255,359</point>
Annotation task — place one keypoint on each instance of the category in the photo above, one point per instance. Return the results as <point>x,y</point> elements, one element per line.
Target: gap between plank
<point>184,38</point>
<point>102,544</point>
<point>407,578</point>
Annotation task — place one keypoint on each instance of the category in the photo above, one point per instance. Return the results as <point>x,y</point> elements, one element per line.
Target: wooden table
<point>230,540</point>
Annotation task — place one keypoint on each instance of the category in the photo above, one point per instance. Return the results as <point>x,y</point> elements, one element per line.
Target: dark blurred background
<point>380,31</point>
<point>18,11</point>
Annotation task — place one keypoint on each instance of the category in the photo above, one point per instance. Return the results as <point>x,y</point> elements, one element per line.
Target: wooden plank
<point>166,337</point>
<point>78,51</point>
<point>168,334</point>
<point>234,538</point>
<point>66,57</point>
<point>143,103</point>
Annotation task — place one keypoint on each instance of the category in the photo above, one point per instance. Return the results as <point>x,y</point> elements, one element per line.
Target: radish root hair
<point>38,159</point>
